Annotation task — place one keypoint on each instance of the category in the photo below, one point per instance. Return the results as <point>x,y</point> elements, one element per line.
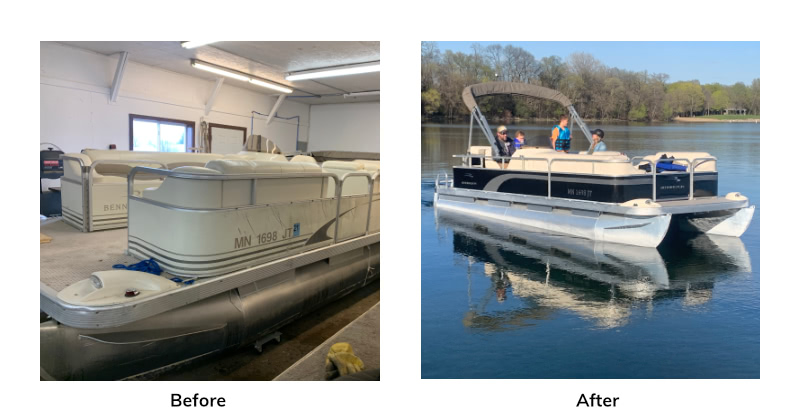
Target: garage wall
<point>346,127</point>
<point>75,111</point>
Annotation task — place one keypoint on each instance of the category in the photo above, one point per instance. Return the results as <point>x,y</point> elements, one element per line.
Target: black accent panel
<point>588,187</point>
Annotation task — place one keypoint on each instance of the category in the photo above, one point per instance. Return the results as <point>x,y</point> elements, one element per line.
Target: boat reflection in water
<point>598,281</point>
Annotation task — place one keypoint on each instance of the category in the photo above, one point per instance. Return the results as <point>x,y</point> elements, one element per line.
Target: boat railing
<point>254,178</point>
<point>87,180</point>
<point>691,164</point>
<point>446,181</point>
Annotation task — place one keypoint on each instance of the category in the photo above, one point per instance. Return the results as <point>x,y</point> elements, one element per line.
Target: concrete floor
<point>297,339</point>
<point>363,335</point>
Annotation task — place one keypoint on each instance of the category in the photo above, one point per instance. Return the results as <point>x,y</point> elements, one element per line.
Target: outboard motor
<point>51,166</point>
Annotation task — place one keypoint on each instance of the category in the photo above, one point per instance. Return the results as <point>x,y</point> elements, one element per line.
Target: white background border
<point>400,26</point>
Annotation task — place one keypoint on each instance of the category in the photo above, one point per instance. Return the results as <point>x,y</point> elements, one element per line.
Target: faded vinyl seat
<point>211,194</point>
<point>354,185</point>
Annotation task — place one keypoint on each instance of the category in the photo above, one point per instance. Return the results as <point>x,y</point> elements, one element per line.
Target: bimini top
<point>496,88</point>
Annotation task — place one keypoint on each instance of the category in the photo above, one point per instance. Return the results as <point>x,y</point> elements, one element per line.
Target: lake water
<point>545,306</point>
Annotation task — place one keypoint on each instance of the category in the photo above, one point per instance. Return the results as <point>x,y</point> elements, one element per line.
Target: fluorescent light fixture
<point>335,71</point>
<point>357,94</point>
<point>269,85</point>
<point>233,74</point>
<point>195,44</point>
<point>220,71</point>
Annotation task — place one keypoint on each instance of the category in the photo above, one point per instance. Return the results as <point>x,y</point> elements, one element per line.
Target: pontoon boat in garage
<point>245,245</point>
<point>604,196</point>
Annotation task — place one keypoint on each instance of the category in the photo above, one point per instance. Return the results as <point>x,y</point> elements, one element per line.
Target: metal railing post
<point>371,189</point>
<point>339,183</point>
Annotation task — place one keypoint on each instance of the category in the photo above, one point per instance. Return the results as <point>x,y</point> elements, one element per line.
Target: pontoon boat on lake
<point>603,196</point>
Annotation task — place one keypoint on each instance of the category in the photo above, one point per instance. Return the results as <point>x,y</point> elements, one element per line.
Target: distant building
<point>737,111</point>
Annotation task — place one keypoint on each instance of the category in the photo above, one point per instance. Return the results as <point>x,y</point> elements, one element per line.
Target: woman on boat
<point>561,136</point>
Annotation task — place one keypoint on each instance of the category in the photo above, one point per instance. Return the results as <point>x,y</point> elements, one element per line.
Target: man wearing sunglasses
<point>505,146</point>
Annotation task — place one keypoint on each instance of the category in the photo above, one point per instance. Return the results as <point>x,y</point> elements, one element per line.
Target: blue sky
<point>708,62</point>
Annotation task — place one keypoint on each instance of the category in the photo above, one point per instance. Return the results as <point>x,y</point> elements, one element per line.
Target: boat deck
<point>73,256</point>
<point>674,206</point>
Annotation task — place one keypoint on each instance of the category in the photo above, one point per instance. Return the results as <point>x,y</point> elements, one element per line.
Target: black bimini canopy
<point>497,88</point>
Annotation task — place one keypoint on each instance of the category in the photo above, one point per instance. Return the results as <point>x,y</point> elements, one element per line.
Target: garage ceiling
<point>267,60</point>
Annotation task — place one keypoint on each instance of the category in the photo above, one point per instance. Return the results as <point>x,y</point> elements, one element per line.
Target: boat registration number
<point>267,237</point>
<point>579,193</point>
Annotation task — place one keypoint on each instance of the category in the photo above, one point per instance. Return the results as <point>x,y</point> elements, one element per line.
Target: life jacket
<point>563,140</point>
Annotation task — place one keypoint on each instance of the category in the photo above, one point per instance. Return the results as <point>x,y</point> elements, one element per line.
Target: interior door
<point>226,139</point>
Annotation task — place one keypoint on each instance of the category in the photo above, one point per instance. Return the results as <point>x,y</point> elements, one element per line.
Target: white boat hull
<point>645,231</point>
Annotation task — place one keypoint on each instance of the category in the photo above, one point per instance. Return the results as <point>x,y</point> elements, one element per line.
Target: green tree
<point>720,100</point>
<point>638,114</point>
<point>431,101</point>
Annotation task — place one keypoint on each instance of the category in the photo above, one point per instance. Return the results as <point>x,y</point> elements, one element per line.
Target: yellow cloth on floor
<point>342,361</point>
<point>44,239</point>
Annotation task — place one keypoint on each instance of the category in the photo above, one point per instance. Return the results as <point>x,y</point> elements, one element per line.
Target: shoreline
<point>712,120</point>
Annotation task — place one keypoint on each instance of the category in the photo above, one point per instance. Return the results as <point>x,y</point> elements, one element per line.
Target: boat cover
<point>497,88</point>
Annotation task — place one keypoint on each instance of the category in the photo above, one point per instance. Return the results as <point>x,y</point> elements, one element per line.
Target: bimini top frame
<point>470,93</point>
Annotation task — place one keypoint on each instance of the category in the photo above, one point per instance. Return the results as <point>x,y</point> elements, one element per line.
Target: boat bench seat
<point>614,163</point>
<point>232,219</point>
<point>706,166</point>
<point>303,158</point>
<point>352,185</point>
<point>213,194</point>
<point>107,187</point>
<point>484,151</point>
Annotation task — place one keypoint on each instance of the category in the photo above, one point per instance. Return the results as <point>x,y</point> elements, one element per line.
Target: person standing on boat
<point>505,146</point>
<point>597,141</point>
<point>561,136</point>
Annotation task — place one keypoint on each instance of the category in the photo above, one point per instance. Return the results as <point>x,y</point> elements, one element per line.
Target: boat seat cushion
<point>707,166</point>
<point>370,165</point>
<point>612,164</point>
<point>303,158</point>
<point>260,156</point>
<point>258,167</point>
<point>350,166</point>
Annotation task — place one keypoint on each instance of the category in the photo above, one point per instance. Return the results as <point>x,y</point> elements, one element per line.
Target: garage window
<point>155,134</point>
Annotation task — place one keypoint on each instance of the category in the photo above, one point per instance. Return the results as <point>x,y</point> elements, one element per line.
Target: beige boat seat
<point>610,163</point>
<point>211,194</point>
<point>106,190</point>
<point>485,151</point>
<point>303,159</point>
<point>352,185</point>
<point>256,156</point>
<point>706,166</point>
<point>370,165</point>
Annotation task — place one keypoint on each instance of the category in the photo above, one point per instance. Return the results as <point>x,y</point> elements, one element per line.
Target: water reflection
<point>599,282</point>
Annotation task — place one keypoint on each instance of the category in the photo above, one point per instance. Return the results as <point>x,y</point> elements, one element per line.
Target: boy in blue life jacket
<point>561,137</point>
<point>519,139</point>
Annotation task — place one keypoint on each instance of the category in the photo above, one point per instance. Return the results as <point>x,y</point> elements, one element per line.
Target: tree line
<point>596,90</point>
